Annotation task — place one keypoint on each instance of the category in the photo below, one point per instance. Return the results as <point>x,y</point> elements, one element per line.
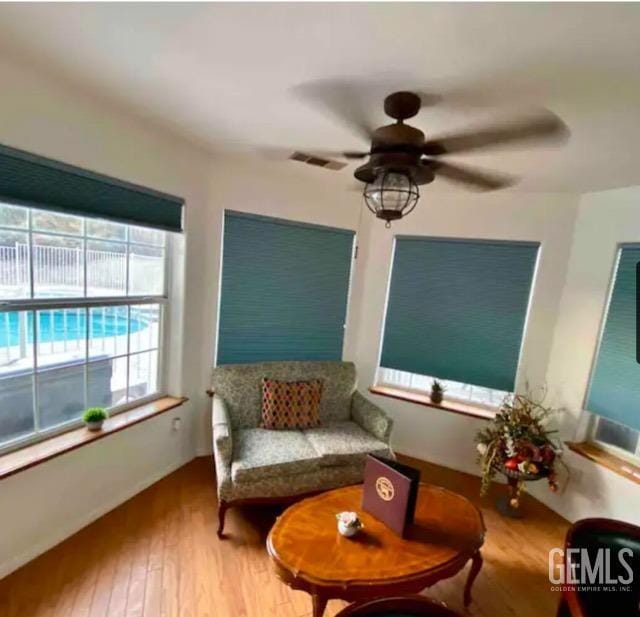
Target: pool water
<point>71,324</point>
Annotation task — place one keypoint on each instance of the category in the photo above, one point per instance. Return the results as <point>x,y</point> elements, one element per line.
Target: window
<point>81,309</point>
<point>456,311</point>
<point>284,290</point>
<point>488,397</point>
<point>617,438</point>
<point>614,391</point>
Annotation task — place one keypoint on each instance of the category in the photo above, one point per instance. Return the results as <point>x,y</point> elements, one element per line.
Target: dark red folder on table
<point>390,492</point>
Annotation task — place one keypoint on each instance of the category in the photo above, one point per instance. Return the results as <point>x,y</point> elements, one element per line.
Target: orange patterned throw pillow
<point>290,404</point>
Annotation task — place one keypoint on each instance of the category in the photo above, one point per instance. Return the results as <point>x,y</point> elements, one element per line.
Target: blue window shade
<point>284,290</point>
<point>457,309</point>
<point>31,180</point>
<point>615,382</point>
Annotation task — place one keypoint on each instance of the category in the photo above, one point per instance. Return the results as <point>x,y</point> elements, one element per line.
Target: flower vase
<point>95,425</point>
<point>509,505</point>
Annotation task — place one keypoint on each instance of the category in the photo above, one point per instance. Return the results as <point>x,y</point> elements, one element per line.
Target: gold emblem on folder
<point>384,488</point>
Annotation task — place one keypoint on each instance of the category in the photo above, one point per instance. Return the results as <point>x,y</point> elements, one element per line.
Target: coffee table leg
<point>476,564</point>
<point>319,604</point>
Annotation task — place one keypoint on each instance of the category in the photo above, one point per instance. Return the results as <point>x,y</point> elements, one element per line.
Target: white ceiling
<point>223,75</point>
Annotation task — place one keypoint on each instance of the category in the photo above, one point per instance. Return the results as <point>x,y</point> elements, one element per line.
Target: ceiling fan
<point>401,158</point>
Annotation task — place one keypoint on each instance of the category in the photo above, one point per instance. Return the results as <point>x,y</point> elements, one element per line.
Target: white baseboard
<point>470,469</point>
<point>61,534</point>
<point>202,451</point>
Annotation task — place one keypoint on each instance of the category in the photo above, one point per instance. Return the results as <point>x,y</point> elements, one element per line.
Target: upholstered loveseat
<point>255,465</point>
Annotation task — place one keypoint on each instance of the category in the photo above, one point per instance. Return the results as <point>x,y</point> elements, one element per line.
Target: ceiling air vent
<point>317,161</point>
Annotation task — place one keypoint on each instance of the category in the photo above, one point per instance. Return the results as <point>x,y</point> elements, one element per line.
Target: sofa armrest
<point>370,417</point>
<point>222,446</point>
<point>222,433</point>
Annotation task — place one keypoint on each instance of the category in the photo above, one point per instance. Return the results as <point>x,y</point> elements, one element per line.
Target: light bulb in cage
<point>392,195</point>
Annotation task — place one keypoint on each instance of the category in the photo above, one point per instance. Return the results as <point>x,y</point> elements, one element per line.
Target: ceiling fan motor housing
<point>402,162</point>
<point>402,105</point>
<point>396,147</point>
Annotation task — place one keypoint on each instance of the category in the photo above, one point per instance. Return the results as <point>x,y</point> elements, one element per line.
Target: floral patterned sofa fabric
<point>370,417</point>
<point>240,387</point>
<point>344,443</point>
<point>278,487</point>
<point>222,446</point>
<point>222,430</point>
<point>261,453</point>
<point>252,462</point>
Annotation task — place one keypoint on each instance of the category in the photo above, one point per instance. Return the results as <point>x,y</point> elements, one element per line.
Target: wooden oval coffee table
<point>309,553</point>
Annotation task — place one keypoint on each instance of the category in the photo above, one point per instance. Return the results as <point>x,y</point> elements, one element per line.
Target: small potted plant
<point>94,417</point>
<point>437,392</point>
<point>348,523</point>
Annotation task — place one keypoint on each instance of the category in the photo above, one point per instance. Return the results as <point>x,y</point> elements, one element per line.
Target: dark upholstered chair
<point>601,533</point>
<point>402,606</point>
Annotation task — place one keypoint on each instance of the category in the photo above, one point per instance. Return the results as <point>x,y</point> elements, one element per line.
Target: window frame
<point>35,304</point>
<point>632,457</point>
<point>480,401</point>
<point>592,418</point>
<point>281,220</point>
<point>525,328</point>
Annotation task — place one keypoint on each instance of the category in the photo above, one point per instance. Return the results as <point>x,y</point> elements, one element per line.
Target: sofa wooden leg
<point>222,510</point>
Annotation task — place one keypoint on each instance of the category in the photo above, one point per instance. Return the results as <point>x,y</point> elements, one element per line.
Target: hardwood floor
<point>157,555</point>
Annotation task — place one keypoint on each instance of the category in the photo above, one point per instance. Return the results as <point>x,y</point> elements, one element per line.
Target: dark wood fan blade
<point>350,154</point>
<point>344,154</point>
<point>341,99</point>
<point>428,98</point>
<point>545,126</point>
<point>274,153</point>
<point>472,178</point>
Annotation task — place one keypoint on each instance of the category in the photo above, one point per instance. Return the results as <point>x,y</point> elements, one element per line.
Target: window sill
<point>606,459</point>
<point>466,409</point>
<point>37,453</point>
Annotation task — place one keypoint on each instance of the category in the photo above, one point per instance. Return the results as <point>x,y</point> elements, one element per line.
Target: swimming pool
<point>71,324</point>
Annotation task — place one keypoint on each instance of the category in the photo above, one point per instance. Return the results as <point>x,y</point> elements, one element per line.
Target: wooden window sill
<point>466,409</point>
<point>37,453</point>
<point>601,457</point>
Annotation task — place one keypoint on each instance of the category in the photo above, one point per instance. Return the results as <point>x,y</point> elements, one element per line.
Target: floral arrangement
<point>519,444</point>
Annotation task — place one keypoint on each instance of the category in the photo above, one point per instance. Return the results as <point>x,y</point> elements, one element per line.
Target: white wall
<point>43,505</point>
<point>305,194</point>
<point>443,437</point>
<point>47,503</point>
<point>579,237</point>
<point>604,220</point>
<point>41,114</point>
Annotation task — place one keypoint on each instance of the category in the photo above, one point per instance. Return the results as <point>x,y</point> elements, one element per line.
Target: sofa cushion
<point>240,386</point>
<point>344,443</point>
<point>259,453</point>
<point>322,479</point>
<point>290,404</point>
